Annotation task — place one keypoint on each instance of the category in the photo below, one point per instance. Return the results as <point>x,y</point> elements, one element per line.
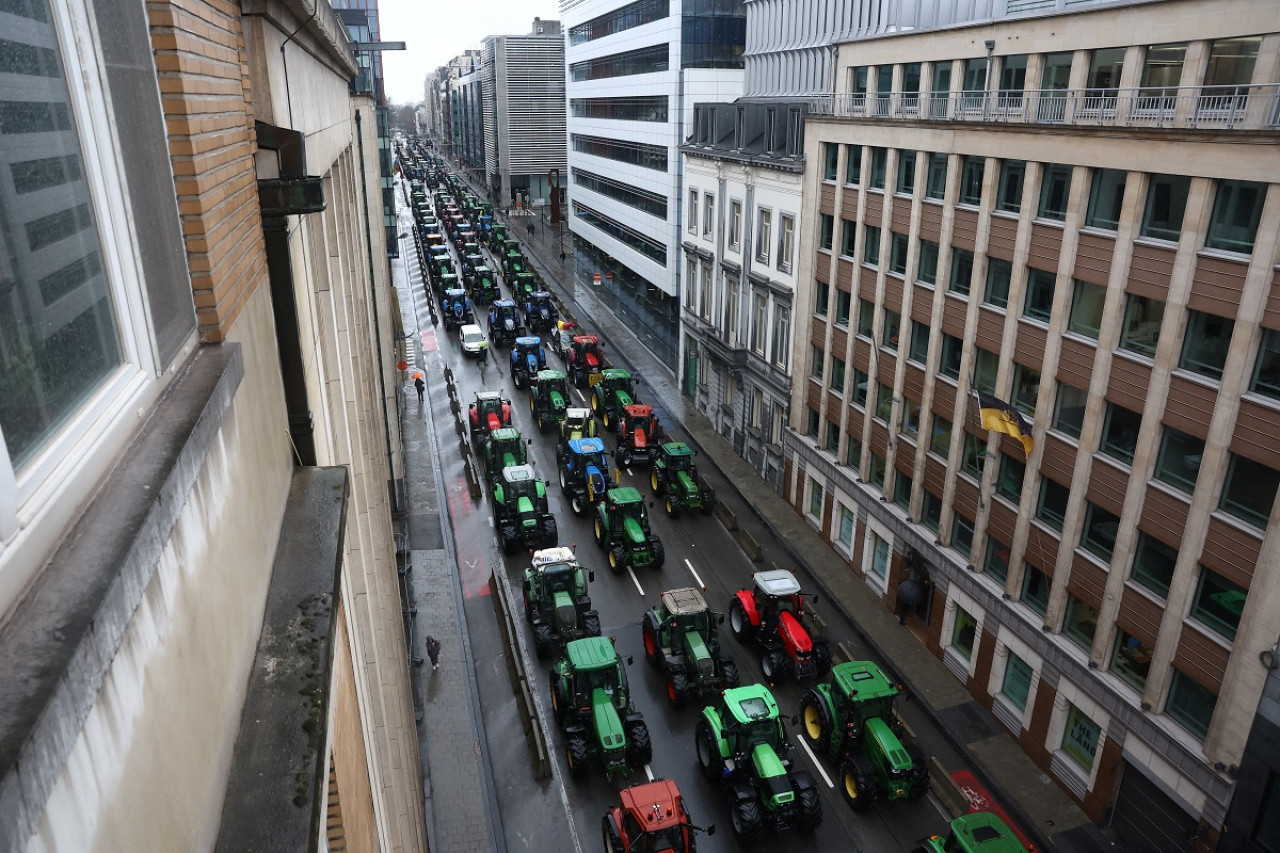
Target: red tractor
<point>771,616</point>
<point>490,412</point>
<point>637,435</point>
<point>584,360</point>
<point>651,817</point>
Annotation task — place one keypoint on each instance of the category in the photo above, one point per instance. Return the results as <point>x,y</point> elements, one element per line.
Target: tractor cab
<point>557,570</point>
<point>627,503</point>
<point>540,312</point>
<point>527,358</point>
<point>577,423</point>
<point>523,283</point>
<point>978,832</point>
<point>616,380</point>
<point>637,434</point>
<point>505,448</point>
<point>752,720</point>
<point>562,337</point>
<point>457,307</point>
<point>652,818</point>
<point>678,456</point>
<point>470,261</point>
<point>489,412</point>
<point>484,285</point>
<point>548,397</point>
<point>594,665</point>
<point>504,322</point>
<point>585,360</point>
<point>776,592</point>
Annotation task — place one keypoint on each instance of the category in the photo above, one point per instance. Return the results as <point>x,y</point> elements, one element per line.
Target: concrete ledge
<point>749,544</point>
<point>58,645</point>
<point>953,799</point>
<point>539,753</point>
<point>279,773</point>
<point>726,516</point>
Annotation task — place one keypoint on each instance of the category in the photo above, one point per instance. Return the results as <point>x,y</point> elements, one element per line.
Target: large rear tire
<point>677,689</point>
<point>579,505</point>
<point>738,621</point>
<point>810,808</point>
<point>858,781</point>
<point>639,746</point>
<point>655,482</point>
<point>774,666</point>
<point>543,642</point>
<point>748,820</point>
<point>616,560</point>
<point>577,754</point>
<point>652,640</point>
<point>815,719</point>
<point>564,480</point>
<point>919,771</point>
<point>672,506</point>
<point>597,528</point>
<point>591,624</point>
<point>708,751</point>
<point>729,669</point>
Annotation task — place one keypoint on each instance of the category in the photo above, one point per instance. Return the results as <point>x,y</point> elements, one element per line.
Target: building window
<point>763,225</point>
<point>1190,704</point>
<point>827,231</point>
<point>821,298</point>
<point>962,535</point>
<point>1055,192</point>
<point>897,252</point>
<point>785,241</point>
<point>910,418</point>
<point>1052,506</point>
<point>1166,204</point>
<point>1039,299</point>
<point>1153,564</point>
<point>1161,75</point>
<point>818,361</point>
<point>961,271</point>
<point>1013,79</point>
<point>1016,686</point>
<point>964,633</point>
<point>634,153</point>
<point>833,438</point>
<point>848,237</point>
<point>1013,174</point>
<point>902,490</point>
<point>734,293</point>
<point>971,169</point>
<point>1120,433</point>
<point>1141,330</point>
<point>1218,603</point>
<point>645,108</point>
<point>996,564</point>
<point>1100,529</point>
<point>871,246</point>
<point>1179,461</point>
<point>1035,589</point>
<point>975,84</point>
<point>919,342</point>
<point>1131,659</point>
<point>759,315</point>
<point>1106,196</point>
<point>654,204</point>
<point>952,352</point>
<point>844,529</point>
<point>815,498</point>
<point>1026,385</point>
<point>853,451</point>
<point>932,511</point>
<point>708,215</point>
<point>1081,622</point>
<point>706,294</point>
<point>860,382</point>
<point>1204,347</point>
<point>1080,740</point>
<point>843,300</point>
<point>866,317</point>
<point>974,452</point>
<point>935,185</point>
<point>853,166</point>
<point>940,91</point>
<point>691,280</point>
<point>906,172</point>
<point>1010,477</point>
<point>830,161</point>
<point>884,402</point>
<point>1105,68</point>
<point>646,60</point>
<point>877,470</point>
<point>878,564</point>
<point>892,327</point>
<point>879,165</point>
<point>941,443</point>
<point>1249,491</point>
<point>1266,371</point>
<point>781,355</point>
<point>986,365</point>
<point>1236,211</point>
<point>619,20</point>
<point>812,430</point>
<point>999,276</point>
<point>927,265</point>
<point>1086,309</point>
<point>1068,415</point>
<point>837,375</point>
<point>692,218</point>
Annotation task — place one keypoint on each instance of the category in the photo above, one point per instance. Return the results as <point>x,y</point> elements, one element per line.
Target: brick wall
<point>204,93</point>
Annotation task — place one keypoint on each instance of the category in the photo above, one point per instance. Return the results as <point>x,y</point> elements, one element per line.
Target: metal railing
<point>1197,107</point>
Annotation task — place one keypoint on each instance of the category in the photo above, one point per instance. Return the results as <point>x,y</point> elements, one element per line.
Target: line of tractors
<point>741,740</point>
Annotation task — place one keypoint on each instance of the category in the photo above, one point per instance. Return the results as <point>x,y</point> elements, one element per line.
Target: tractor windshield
<point>669,840</point>
<point>606,678</point>
<point>678,463</point>
<point>558,578</point>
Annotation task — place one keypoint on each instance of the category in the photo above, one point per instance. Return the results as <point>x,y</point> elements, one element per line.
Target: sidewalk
<point>1042,810</point>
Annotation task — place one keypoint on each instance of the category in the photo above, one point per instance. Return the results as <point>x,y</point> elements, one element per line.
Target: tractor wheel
<point>858,781</point>
<point>557,701</point>
<point>655,483</point>
<point>822,657</point>
<point>919,771</point>
<point>672,507</point>
<point>708,502</point>
<point>542,424</point>
<point>738,622</point>
<point>659,553</point>
<point>639,747</point>
<point>774,666</point>
<point>677,689</point>
<point>550,532</point>
<point>606,420</point>
<point>564,480</point>
<point>598,529</point>
<point>816,718</point>
<point>810,807</point>
<point>652,641</point>
<point>533,409</point>
<point>616,559</point>
<point>624,458</point>
<point>748,820</point>
<point>579,505</point>
<point>591,624</point>
<point>528,611</point>
<point>612,839</point>
<point>577,754</point>
<point>595,402</point>
<point>708,751</point>
<point>543,642</point>
<point>519,379</point>
<point>729,669</point>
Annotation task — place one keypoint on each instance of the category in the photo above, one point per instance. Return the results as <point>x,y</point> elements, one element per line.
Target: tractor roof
<point>551,556</point>
<point>777,582</point>
<point>504,303</point>
<point>653,804</point>
<point>540,294</point>
<point>639,410</point>
<point>625,495</point>
<point>591,653</point>
<point>615,373</point>
<point>586,445</point>
<point>983,832</point>
<point>518,473</point>
<point>677,448</point>
<point>489,395</point>
<point>751,703</point>
<point>550,374</point>
<point>586,339</point>
<point>862,679</point>
<point>483,268</point>
<point>576,413</point>
<point>455,291</point>
<point>684,601</point>
<point>528,341</point>
<point>505,434</point>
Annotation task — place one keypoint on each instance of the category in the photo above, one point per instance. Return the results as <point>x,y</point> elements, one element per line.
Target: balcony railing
<point>1195,107</point>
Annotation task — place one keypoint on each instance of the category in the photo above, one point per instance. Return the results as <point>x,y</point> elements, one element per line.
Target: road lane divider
<point>816,763</point>
<point>635,581</point>
<point>694,572</point>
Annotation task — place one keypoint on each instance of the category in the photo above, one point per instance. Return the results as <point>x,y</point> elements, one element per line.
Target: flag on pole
<point>999,416</point>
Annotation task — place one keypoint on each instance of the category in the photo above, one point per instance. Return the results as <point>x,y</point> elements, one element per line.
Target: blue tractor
<point>540,313</point>
<point>456,308</point>
<point>527,358</point>
<point>584,472</point>
<point>504,323</point>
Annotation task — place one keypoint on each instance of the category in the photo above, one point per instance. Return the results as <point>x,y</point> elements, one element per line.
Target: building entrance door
<point>1147,818</point>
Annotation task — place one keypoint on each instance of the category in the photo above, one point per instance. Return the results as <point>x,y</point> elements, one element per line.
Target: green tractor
<point>548,398</point>
<point>850,717</point>
<point>621,527</point>
<point>674,478</point>
<point>611,394</point>
<point>979,832</point>
<point>741,742</point>
<point>578,423</point>
<point>592,705</point>
<point>555,600</point>
<point>523,284</point>
<point>520,509</point>
<point>504,449</point>
<point>680,638</point>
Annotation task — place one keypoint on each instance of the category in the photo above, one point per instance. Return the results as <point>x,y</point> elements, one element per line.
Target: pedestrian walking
<point>421,386</point>
<point>433,651</point>
<point>530,229</point>
<point>562,258</point>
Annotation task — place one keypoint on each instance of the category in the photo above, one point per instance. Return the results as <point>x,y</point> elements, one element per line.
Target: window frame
<point>764,232</point>
<point>735,223</point>
<point>786,240</point>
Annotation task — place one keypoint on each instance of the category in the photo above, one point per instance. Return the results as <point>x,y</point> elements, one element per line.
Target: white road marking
<point>490,519</point>
<point>648,772</point>
<point>579,393</point>
<point>629,473</point>
<point>693,572</point>
<point>816,762</point>
<point>639,588</point>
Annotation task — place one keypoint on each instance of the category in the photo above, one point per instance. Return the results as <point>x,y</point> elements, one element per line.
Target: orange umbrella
<point>417,374</point>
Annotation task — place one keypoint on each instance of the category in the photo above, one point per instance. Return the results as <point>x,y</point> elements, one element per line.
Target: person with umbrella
<point>420,384</point>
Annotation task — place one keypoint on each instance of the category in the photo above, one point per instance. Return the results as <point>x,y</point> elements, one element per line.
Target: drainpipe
<point>986,95</point>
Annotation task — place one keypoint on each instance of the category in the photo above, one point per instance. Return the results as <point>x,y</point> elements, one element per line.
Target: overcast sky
<point>435,31</point>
